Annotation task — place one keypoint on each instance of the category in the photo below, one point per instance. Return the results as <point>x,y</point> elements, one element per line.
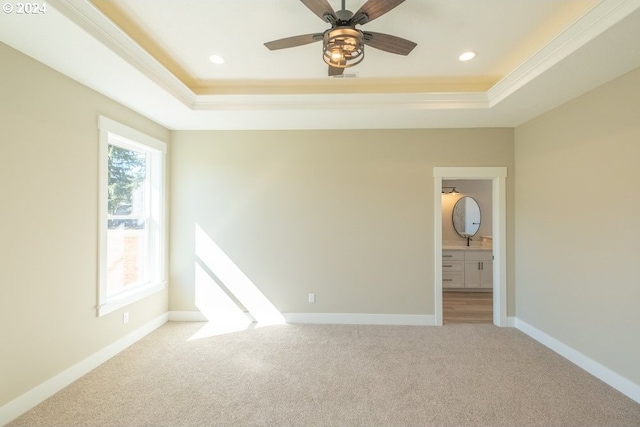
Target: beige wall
<point>48,224</point>
<point>347,215</point>
<point>577,239</point>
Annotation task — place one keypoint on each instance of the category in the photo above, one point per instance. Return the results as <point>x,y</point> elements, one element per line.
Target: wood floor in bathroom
<point>467,307</point>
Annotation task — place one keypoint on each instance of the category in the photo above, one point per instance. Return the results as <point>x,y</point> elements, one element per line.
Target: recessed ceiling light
<point>216,59</point>
<point>467,56</point>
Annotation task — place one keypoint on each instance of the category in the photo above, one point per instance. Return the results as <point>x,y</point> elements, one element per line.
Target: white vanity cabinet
<point>467,269</point>
<point>452,269</point>
<point>478,269</point>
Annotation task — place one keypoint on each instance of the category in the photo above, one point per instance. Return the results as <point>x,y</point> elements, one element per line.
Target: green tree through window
<point>127,170</point>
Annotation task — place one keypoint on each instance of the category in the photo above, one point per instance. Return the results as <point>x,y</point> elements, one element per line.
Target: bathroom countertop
<point>466,248</point>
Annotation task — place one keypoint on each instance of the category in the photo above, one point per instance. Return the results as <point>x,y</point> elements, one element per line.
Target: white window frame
<point>114,133</point>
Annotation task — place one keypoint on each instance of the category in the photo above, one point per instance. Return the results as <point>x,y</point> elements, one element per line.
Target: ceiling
<point>153,56</point>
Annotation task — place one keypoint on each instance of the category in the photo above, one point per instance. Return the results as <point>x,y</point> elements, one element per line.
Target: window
<point>132,218</point>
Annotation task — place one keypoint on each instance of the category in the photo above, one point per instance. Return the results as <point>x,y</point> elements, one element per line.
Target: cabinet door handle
<point>447,256</point>
<point>447,265</point>
<point>482,266</point>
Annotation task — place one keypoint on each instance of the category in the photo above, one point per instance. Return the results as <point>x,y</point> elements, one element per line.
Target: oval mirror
<point>466,216</point>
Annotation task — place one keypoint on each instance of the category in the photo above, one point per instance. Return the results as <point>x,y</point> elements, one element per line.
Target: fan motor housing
<point>344,15</point>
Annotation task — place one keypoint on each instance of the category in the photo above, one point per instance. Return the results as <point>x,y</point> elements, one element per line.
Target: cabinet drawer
<point>452,280</point>
<point>452,256</point>
<point>452,266</point>
<point>479,256</point>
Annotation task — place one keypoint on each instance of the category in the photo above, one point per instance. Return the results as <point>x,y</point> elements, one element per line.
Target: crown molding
<point>98,26</point>
<point>600,18</point>
<point>413,101</point>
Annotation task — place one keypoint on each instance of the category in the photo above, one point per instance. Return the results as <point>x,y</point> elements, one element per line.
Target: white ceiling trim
<point>602,17</point>
<point>101,28</point>
<point>93,21</point>
<point>412,101</point>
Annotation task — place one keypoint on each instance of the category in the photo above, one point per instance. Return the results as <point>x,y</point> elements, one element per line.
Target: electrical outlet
<point>312,297</point>
<point>125,317</point>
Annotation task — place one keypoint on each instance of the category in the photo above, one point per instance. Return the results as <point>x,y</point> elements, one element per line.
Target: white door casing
<point>498,176</point>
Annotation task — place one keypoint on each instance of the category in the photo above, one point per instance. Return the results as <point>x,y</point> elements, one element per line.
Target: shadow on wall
<point>224,294</point>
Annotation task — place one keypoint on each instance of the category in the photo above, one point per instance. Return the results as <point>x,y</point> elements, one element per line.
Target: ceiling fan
<point>343,44</point>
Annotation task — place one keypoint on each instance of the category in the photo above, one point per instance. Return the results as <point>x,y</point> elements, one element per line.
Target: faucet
<point>469,240</point>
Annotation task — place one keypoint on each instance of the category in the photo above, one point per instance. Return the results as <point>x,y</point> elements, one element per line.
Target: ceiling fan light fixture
<point>343,44</point>
<point>343,47</point>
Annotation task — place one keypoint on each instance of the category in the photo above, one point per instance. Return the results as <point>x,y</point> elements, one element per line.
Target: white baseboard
<point>615,380</point>
<point>187,316</point>
<point>360,318</point>
<point>337,318</point>
<point>325,318</point>
<point>38,394</point>
<point>198,316</point>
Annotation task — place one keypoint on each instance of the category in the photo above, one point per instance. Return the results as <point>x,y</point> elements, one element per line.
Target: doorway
<point>467,251</point>
<point>497,176</point>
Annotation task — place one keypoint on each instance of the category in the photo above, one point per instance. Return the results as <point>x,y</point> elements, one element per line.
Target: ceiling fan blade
<point>335,71</point>
<point>373,9</point>
<point>322,8</point>
<point>388,43</point>
<point>293,41</point>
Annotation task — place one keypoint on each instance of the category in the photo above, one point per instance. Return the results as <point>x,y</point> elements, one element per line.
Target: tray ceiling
<point>153,56</point>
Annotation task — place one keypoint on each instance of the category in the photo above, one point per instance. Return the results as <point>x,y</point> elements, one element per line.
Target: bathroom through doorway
<point>467,257</point>
<point>497,177</point>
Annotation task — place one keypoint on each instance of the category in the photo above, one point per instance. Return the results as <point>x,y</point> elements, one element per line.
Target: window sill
<point>126,298</point>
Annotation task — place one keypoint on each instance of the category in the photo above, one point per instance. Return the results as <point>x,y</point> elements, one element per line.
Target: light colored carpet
<point>334,375</point>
